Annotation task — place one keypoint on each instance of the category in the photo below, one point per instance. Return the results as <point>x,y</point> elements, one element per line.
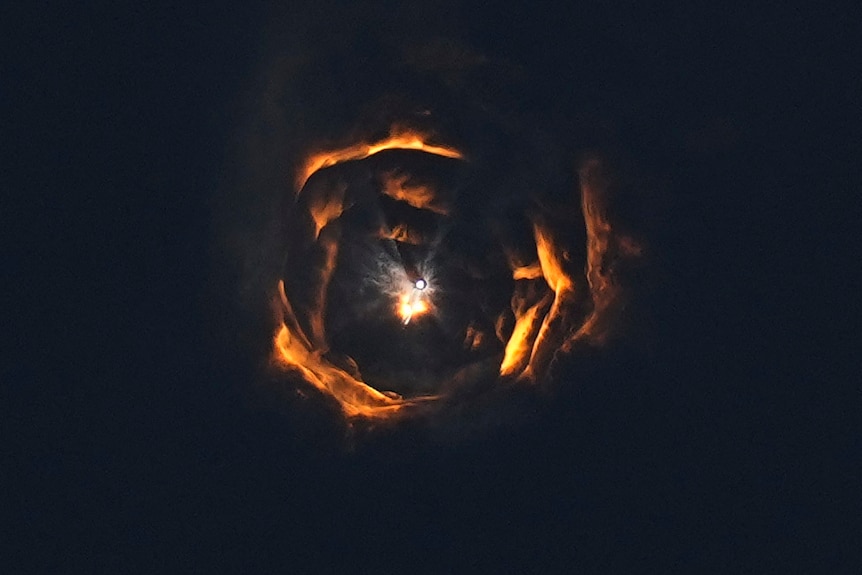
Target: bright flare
<point>412,304</point>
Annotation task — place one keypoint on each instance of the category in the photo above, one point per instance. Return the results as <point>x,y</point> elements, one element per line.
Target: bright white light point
<point>421,284</point>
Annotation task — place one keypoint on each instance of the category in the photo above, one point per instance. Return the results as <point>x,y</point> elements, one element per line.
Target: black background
<point>126,442</point>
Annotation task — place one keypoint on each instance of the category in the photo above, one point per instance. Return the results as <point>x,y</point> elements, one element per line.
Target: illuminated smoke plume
<point>417,247</point>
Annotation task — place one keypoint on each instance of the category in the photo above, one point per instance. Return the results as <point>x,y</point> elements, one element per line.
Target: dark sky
<point>127,444</point>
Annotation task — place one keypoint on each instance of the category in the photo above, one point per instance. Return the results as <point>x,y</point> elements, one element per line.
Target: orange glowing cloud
<point>558,306</point>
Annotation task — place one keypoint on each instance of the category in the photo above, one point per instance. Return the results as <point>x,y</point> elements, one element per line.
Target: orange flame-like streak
<point>295,353</point>
<point>540,328</point>
<point>538,336</point>
<point>398,139</point>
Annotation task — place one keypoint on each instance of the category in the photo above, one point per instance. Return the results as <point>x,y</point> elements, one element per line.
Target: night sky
<point>132,439</point>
